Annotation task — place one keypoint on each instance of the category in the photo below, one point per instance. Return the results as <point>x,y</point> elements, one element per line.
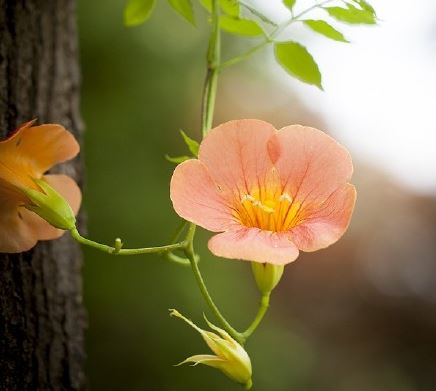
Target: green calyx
<point>50,205</point>
<point>267,276</point>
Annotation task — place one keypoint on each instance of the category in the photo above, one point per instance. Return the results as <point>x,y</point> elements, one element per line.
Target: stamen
<point>247,197</point>
<point>256,202</point>
<point>285,197</point>
<point>265,208</point>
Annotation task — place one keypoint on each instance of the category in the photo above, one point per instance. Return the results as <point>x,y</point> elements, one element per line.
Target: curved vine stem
<point>264,304</point>
<point>208,106</point>
<point>116,249</point>
<point>190,254</point>
<point>213,67</point>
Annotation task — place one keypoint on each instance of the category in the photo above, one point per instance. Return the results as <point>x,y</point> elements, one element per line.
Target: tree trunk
<point>42,319</point>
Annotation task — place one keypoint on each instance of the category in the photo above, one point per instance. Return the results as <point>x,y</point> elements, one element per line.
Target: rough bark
<point>42,320</point>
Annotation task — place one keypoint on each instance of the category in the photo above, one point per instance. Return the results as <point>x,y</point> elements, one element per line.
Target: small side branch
<point>118,250</point>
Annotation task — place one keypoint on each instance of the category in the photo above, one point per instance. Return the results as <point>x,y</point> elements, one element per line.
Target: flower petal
<point>236,155</point>
<point>198,199</point>
<point>40,228</point>
<point>252,244</point>
<point>326,223</point>
<point>35,149</point>
<point>15,234</point>
<point>311,164</point>
<point>20,229</point>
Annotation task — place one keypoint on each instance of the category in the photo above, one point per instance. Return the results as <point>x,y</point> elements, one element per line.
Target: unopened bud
<point>267,275</point>
<point>230,357</point>
<point>50,205</point>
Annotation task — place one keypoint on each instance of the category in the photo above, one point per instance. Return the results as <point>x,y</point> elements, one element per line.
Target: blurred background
<point>358,316</point>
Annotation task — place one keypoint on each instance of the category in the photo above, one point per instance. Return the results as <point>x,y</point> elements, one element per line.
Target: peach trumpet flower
<point>24,158</point>
<point>269,193</point>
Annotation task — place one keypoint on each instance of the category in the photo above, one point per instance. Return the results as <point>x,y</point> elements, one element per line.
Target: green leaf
<point>192,144</point>
<point>255,12</point>
<point>137,11</point>
<point>322,27</point>
<point>351,14</point>
<point>289,3</point>
<point>230,7</point>
<point>207,4</point>
<point>177,159</point>
<point>240,26</point>
<point>184,8</point>
<point>365,5</point>
<point>298,62</point>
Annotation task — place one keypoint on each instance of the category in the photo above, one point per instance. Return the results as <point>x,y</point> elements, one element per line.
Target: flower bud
<point>50,205</point>
<point>267,276</point>
<point>230,357</point>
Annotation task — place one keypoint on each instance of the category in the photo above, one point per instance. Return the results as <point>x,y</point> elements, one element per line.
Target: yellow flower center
<point>268,210</point>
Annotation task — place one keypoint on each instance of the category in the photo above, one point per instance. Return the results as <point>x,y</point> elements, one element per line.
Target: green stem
<point>245,55</point>
<point>179,231</point>
<point>207,112</point>
<point>189,251</point>
<point>295,18</point>
<point>213,61</point>
<point>208,107</point>
<point>176,259</point>
<point>264,304</point>
<point>209,95</point>
<point>130,251</point>
<point>269,39</point>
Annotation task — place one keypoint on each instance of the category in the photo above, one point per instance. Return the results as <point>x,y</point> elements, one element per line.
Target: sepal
<point>50,205</point>
<point>230,357</point>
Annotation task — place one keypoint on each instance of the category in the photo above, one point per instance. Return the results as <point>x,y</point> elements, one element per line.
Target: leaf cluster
<point>241,18</point>
<point>296,59</point>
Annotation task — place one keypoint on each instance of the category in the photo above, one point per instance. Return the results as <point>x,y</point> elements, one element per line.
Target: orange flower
<point>270,193</point>
<point>24,158</point>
